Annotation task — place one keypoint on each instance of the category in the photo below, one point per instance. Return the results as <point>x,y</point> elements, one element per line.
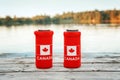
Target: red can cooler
<point>72,49</point>
<point>43,48</point>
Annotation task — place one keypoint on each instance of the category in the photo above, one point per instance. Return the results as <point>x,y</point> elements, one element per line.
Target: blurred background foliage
<point>87,17</point>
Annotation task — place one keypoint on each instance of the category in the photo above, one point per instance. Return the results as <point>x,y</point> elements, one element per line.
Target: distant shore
<point>86,17</point>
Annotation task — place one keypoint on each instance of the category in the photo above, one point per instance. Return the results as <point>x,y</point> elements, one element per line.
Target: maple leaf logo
<point>45,49</point>
<point>71,50</point>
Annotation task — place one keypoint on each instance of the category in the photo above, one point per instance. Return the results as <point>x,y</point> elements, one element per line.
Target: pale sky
<point>29,8</point>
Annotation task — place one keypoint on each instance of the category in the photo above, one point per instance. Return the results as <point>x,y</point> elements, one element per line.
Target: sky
<point>29,8</point>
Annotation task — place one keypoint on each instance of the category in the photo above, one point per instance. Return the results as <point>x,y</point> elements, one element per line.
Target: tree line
<point>8,21</point>
<point>87,17</point>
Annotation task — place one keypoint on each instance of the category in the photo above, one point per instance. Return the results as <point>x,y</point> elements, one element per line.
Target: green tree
<point>8,21</point>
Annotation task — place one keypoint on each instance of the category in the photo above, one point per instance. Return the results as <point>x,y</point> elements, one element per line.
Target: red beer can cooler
<point>43,48</point>
<point>72,49</point>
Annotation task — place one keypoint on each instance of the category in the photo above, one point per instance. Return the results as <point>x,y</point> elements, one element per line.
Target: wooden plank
<point>97,67</point>
<point>60,76</point>
<point>84,68</point>
<point>11,67</point>
<point>86,57</point>
<point>58,67</point>
<point>57,59</point>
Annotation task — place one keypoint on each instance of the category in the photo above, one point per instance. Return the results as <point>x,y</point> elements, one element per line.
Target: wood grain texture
<point>98,67</point>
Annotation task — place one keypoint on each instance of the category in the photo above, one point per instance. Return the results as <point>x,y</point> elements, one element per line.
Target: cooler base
<point>39,67</point>
<point>44,64</point>
<point>72,64</point>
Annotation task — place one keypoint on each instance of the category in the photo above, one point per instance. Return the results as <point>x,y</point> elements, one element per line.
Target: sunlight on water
<point>21,39</point>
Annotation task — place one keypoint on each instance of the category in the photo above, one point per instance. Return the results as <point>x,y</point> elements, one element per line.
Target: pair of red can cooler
<point>72,49</point>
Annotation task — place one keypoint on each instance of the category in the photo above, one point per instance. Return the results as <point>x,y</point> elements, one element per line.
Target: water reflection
<point>99,38</point>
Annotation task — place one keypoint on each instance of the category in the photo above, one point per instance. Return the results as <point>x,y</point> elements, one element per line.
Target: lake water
<point>21,39</point>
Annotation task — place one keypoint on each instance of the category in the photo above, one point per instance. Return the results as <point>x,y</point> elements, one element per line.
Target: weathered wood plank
<point>58,67</point>
<point>100,67</point>
<point>60,76</point>
<point>57,59</point>
<point>86,57</point>
<point>84,68</point>
<point>11,67</point>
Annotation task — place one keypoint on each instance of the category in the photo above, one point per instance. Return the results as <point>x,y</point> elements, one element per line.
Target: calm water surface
<point>21,39</point>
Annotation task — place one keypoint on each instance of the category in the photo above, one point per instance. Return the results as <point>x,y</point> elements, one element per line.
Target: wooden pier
<point>102,66</point>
